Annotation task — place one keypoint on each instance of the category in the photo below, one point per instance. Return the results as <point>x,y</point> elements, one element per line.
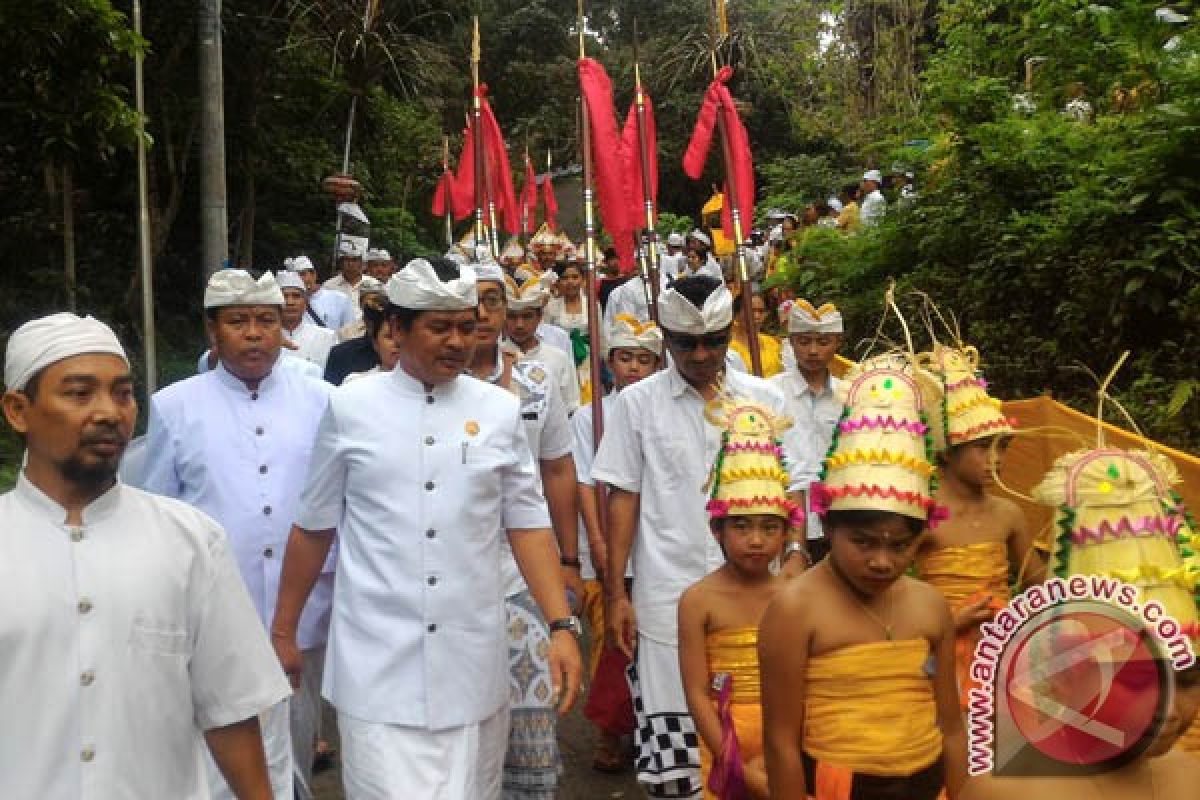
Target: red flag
<point>443,196</point>
<point>550,202</point>
<point>633,162</point>
<point>529,199</point>
<point>462,184</point>
<point>504,195</point>
<point>608,157</point>
<point>718,100</point>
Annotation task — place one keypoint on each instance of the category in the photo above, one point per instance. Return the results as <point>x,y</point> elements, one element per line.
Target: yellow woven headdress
<point>748,476</point>
<point>969,412</point>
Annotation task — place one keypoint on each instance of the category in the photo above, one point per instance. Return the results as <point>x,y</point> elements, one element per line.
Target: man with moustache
<point>235,443</point>
<point>418,657</point>
<point>654,456</point>
<point>129,639</point>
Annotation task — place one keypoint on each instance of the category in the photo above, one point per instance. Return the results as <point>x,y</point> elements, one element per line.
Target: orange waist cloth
<point>735,652</point>
<point>747,722</point>
<point>870,708</point>
<point>965,573</point>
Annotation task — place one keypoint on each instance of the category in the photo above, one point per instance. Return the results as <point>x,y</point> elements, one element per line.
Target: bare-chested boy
<point>857,660</point>
<point>719,614</point>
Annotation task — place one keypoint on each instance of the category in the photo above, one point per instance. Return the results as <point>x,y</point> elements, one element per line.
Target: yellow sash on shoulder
<point>870,708</point>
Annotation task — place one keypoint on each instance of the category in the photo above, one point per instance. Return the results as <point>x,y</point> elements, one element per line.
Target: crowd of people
<point>393,490</point>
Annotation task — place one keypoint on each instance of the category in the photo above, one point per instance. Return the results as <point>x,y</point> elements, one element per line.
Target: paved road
<point>580,781</point>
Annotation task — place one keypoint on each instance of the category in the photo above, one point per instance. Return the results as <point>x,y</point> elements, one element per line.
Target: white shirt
<point>547,432</point>
<point>584,454</point>
<point>557,338</point>
<point>333,307</point>
<point>419,485</point>
<point>629,298</point>
<point>562,367</point>
<point>313,342</point>
<point>339,284</point>
<point>556,314</point>
<point>241,457</point>
<point>814,415</point>
<point>657,443</point>
<point>873,208</point>
<point>123,640</point>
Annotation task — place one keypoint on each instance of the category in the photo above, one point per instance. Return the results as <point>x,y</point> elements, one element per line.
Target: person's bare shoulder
<point>1176,773</point>
<point>1005,508</point>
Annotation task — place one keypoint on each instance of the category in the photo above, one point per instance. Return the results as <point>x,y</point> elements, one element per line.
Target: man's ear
<point>16,408</point>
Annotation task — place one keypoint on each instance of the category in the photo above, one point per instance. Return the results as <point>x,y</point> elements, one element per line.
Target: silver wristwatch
<point>793,548</point>
<point>570,623</point>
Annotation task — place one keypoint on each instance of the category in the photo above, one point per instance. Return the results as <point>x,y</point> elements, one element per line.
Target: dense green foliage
<point>1056,242</point>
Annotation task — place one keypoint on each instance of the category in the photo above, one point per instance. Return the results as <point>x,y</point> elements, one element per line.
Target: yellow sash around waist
<point>870,708</point>
<point>966,572</point>
<point>736,652</point>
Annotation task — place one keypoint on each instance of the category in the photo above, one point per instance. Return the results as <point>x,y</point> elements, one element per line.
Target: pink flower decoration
<point>937,515</point>
<point>819,498</point>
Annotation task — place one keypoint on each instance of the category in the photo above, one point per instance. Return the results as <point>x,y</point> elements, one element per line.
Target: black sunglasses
<point>712,341</point>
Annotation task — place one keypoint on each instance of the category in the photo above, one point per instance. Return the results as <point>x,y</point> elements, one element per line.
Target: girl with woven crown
<point>1118,517</point>
<point>750,515</point>
<point>857,659</point>
<point>968,559</point>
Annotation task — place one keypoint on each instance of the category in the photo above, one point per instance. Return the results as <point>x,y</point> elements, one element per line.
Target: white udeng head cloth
<point>488,270</point>
<point>378,254</point>
<point>677,314</point>
<point>41,342</point>
<point>629,332</point>
<point>418,287</point>
<point>291,280</point>
<point>299,263</point>
<point>532,294</point>
<point>236,287</point>
<point>803,318</point>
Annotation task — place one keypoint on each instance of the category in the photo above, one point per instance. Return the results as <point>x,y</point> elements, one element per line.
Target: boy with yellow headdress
<point>968,559</point>
<point>718,616</point>
<point>857,659</point>
<point>1118,517</point>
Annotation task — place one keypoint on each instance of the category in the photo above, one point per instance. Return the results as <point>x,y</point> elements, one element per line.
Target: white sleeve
<point>568,383</point>
<point>619,459</point>
<point>581,427</point>
<point>524,503</point>
<point>234,672</point>
<point>158,473</point>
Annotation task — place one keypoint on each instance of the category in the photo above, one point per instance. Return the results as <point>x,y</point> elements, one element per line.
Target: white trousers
<point>277,744</point>
<point>393,762</point>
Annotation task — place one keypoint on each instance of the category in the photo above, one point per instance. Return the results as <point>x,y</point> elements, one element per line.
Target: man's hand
<point>574,583</point>
<point>566,668</point>
<point>621,623</point>
<point>289,656</point>
<point>794,565</point>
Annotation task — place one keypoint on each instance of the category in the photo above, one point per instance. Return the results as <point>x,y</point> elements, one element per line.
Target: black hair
<point>33,385</point>
<point>850,189</point>
<point>211,314</point>
<point>374,315</point>
<point>447,270</point>
<point>866,518</point>
<point>562,266</point>
<point>697,288</point>
<point>610,252</point>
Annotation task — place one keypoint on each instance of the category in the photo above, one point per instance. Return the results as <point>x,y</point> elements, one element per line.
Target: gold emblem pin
<point>472,427</point>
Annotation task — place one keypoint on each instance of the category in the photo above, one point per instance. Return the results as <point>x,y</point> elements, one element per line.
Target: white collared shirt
<point>123,640</point>
<point>561,367</point>
<point>547,433</point>
<point>874,207</point>
<point>313,342</point>
<point>241,457</point>
<point>657,443</point>
<point>339,284</point>
<point>333,307</point>
<point>419,485</point>
<point>629,298</point>
<point>556,314</point>
<point>814,415</point>
<point>584,453</point>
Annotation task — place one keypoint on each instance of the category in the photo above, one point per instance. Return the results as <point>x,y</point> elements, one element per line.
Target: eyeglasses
<point>492,301</point>
<point>713,341</point>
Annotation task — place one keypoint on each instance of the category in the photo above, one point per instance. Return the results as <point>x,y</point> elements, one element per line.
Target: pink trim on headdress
<point>717,508</point>
<point>1147,526</point>
<point>965,382</point>
<point>821,499</point>
<point>754,447</point>
<point>886,423</point>
<point>975,430</point>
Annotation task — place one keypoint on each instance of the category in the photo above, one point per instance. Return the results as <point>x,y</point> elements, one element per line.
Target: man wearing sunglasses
<point>655,454</point>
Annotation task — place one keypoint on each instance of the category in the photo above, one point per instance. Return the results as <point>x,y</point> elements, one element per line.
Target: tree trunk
<point>68,234</point>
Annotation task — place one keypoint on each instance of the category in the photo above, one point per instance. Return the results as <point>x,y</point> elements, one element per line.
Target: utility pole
<point>214,227</point>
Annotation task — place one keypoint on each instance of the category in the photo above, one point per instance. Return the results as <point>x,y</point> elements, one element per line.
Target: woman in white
<point>568,308</point>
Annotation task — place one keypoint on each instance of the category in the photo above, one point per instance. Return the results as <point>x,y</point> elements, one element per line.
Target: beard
<point>93,474</point>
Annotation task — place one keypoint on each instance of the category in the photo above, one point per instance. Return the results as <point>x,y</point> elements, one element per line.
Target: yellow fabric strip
<point>870,708</point>
<point>736,652</point>
<point>967,572</point>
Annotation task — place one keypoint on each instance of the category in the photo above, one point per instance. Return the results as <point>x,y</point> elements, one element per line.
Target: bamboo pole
<point>650,270</point>
<point>589,245</point>
<point>145,258</point>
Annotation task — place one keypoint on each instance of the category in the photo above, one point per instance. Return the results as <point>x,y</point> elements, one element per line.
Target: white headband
<point>235,287</point>
<point>41,342</point>
<point>488,271</point>
<point>532,294</point>
<point>378,255</point>
<point>369,285</point>
<point>418,287</point>
<point>677,314</point>
<point>700,236</point>
<point>299,263</point>
<point>627,331</point>
<point>803,318</point>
